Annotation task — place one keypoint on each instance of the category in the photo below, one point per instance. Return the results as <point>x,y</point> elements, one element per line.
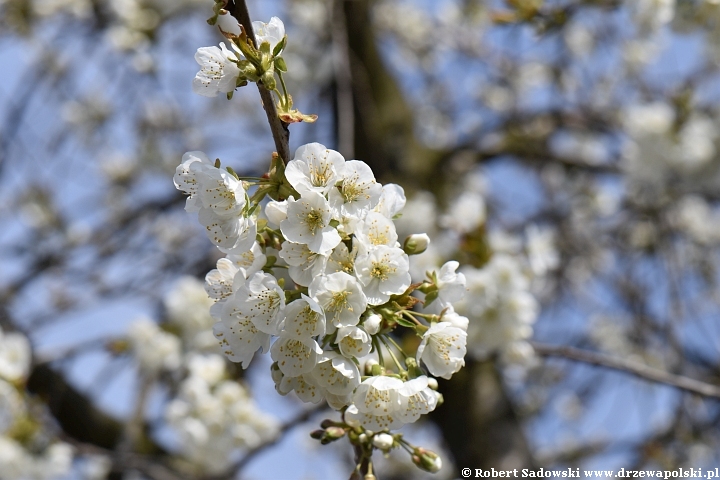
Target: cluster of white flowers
<point>25,454</point>
<point>502,308</point>
<point>349,278</point>
<point>215,416</point>
<point>221,70</point>
<point>659,148</point>
<point>154,349</point>
<point>316,276</point>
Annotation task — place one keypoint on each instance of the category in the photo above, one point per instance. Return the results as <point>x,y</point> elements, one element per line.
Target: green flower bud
<point>416,244</point>
<point>427,460</point>
<point>268,80</point>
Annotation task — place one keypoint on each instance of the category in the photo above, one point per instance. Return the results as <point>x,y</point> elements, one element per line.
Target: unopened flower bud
<point>432,383</point>
<point>369,366</point>
<point>327,423</point>
<point>276,212</point>
<point>416,243</point>
<point>427,460</point>
<point>328,435</point>
<point>334,433</point>
<point>383,441</point>
<point>275,373</point>
<point>362,438</point>
<point>372,323</point>
<point>268,80</point>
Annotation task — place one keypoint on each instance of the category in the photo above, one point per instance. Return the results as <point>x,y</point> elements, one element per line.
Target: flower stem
<point>399,366</point>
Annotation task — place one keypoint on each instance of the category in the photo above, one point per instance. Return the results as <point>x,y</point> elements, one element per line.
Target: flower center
<point>314,220</point>
<point>381,271</point>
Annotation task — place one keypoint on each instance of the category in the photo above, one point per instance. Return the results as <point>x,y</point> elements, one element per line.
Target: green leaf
<point>280,64</point>
<point>279,47</point>
<point>405,322</point>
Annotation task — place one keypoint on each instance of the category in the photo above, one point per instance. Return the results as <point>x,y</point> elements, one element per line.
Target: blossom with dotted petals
<point>314,168</point>
<point>416,399</point>
<point>218,71</point>
<point>262,301</point>
<point>357,190</point>
<point>378,395</point>
<point>308,222</point>
<point>295,356</point>
<point>383,271</point>
<point>443,349</point>
<point>341,297</point>
<point>303,319</point>
<point>336,374</point>
<point>353,341</point>
<point>239,337</point>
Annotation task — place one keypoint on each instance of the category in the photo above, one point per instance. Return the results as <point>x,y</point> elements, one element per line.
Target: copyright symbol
<point>466,472</point>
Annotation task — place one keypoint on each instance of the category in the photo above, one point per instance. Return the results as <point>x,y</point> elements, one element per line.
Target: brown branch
<point>279,129</point>
<point>627,366</point>
<point>345,116</point>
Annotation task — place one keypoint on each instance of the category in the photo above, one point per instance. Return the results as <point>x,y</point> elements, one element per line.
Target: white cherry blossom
<point>247,233</point>
<point>276,211</point>
<point>308,222</point>
<point>443,349</point>
<point>218,71</point>
<point>304,265</point>
<point>303,386</point>
<point>373,323</point>
<point>372,422</point>
<point>154,349</point>
<point>262,301</point>
<point>357,191</point>
<point>295,356</point>
<point>336,374</point>
<point>271,32</point>
<point>186,177</point>
<point>340,296</point>
<point>455,319</point>
<point>303,319</point>
<point>251,260</point>
<point>226,232</point>
<point>341,260</point>
<point>219,282</point>
<point>353,341</point>
<point>239,337</point>
<point>376,229</point>
<point>383,271</point>
<point>378,395</point>
<point>221,192</point>
<point>392,200</point>
<point>314,168</point>
<point>451,285</point>
<point>15,356</point>
<point>416,398</point>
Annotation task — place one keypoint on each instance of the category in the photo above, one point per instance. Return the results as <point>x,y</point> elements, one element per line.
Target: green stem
<point>397,363</point>
<point>285,92</point>
<point>410,316</point>
<point>381,360</point>
<point>392,340</point>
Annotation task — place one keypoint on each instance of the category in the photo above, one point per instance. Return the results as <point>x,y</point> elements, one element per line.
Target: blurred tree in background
<point>565,152</point>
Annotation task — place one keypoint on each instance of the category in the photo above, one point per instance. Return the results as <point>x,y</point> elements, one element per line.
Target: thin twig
<point>628,366</point>
<point>345,116</point>
<point>279,129</point>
